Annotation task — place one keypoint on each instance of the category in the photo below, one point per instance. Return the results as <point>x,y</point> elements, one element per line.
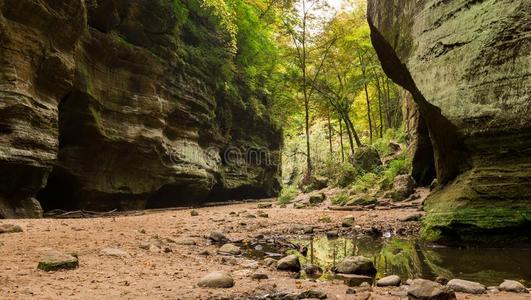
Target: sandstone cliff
<point>467,64</point>
<point>122,104</point>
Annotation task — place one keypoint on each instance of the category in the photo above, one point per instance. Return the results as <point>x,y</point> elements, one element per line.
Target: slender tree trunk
<point>380,105</point>
<point>330,137</point>
<point>341,140</point>
<point>354,132</point>
<point>307,129</point>
<point>388,110</point>
<point>369,119</point>
<point>349,133</point>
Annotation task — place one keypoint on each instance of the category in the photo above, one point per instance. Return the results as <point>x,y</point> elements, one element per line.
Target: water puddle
<point>405,257</point>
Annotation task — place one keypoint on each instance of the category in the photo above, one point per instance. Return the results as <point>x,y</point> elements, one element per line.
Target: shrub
<point>396,167</point>
<point>365,182</point>
<point>287,194</point>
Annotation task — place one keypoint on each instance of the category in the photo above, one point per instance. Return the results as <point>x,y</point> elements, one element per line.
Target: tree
<point>302,25</point>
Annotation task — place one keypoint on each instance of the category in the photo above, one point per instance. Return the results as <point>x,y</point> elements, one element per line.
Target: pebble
<point>259,276</point>
<point>194,213</point>
<point>218,237</point>
<point>114,252</point>
<point>10,228</point>
<point>392,280</point>
<point>230,249</point>
<point>216,280</point>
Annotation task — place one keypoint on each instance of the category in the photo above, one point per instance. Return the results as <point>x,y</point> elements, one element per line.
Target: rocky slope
<point>120,104</point>
<point>467,65</point>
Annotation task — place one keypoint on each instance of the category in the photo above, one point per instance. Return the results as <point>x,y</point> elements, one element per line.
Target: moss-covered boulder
<point>366,158</point>
<point>466,66</point>
<point>54,260</point>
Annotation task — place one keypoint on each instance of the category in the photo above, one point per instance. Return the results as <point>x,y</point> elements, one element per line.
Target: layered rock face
<point>111,104</point>
<point>467,65</point>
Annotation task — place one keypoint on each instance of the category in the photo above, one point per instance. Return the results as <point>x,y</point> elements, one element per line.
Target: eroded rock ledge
<point>467,65</point>
<point>113,104</point>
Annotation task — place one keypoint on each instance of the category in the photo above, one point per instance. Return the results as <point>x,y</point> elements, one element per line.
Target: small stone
<point>270,261</point>
<point>307,229</point>
<point>465,286</point>
<point>216,280</point>
<point>218,237</point>
<point>299,205</point>
<point>348,221</point>
<point>331,235</point>
<point>493,290</point>
<point>350,291</point>
<point>289,263</point>
<point>259,276</point>
<point>354,280</point>
<point>185,242</point>
<point>311,294</point>
<point>204,253</point>
<point>411,218</point>
<point>10,228</point>
<point>356,265</point>
<point>441,280</point>
<point>392,280</point>
<point>230,249</point>
<point>194,213</point>
<point>513,287</point>
<point>264,205</point>
<point>54,260</point>
<point>316,199</point>
<point>313,270</point>
<point>262,214</point>
<point>114,252</point>
<point>422,289</point>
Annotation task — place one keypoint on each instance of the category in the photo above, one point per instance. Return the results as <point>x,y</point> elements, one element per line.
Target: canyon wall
<point>121,104</point>
<point>467,65</point>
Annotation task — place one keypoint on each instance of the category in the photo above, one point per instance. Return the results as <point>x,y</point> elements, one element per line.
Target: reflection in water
<point>410,259</point>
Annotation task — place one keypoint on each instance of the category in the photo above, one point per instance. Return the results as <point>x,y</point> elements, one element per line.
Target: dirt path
<point>155,274</point>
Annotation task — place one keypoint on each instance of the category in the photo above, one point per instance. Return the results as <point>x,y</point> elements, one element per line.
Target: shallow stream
<point>411,259</point>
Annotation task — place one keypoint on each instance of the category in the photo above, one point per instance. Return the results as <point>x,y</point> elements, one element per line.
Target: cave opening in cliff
<point>61,188</point>
<point>59,192</point>
<point>423,161</point>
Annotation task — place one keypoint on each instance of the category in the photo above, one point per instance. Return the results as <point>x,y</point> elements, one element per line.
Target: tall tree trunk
<point>379,104</point>
<point>369,119</point>
<point>330,137</point>
<point>388,110</point>
<point>307,129</point>
<point>341,140</point>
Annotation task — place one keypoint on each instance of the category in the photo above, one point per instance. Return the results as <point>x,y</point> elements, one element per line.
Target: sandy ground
<point>174,275</point>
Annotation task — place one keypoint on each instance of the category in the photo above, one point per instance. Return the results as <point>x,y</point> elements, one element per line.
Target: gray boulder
<point>421,289</point>
<point>392,280</point>
<point>289,263</point>
<point>513,287</point>
<point>356,265</point>
<point>465,286</point>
